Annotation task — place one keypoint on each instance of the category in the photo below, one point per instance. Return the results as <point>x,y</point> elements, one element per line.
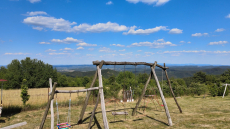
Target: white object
<point>132,100</point>
<point>225,89</point>
<point>14,126</point>
<point>121,101</point>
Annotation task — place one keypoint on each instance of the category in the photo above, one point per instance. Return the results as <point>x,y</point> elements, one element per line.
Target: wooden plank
<point>119,113</point>
<point>172,91</point>
<point>88,94</point>
<point>128,63</point>
<point>48,106</point>
<point>106,126</point>
<point>14,126</point>
<point>92,115</point>
<point>225,90</point>
<point>51,106</point>
<point>162,95</point>
<point>143,93</point>
<point>76,91</point>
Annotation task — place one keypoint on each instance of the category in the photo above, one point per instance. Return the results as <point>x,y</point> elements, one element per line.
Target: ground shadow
<point>152,118</point>
<point>10,111</point>
<point>2,121</point>
<point>96,123</point>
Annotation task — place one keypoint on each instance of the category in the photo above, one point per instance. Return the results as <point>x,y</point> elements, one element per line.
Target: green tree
<point>199,77</point>
<point>24,92</point>
<point>213,89</point>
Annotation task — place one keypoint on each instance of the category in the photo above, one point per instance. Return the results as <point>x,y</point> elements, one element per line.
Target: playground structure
<point>100,96</point>
<point>1,80</point>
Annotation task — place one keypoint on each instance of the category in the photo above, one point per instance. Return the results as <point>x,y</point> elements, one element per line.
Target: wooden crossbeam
<point>76,91</point>
<point>119,113</point>
<point>127,63</point>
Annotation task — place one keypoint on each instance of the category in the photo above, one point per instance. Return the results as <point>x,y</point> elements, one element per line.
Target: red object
<point>63,123</point>
<point>162,105</point>
<point>2,80</point>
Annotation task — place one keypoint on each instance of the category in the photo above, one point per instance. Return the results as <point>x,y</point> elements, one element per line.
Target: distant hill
<point>173,71</point>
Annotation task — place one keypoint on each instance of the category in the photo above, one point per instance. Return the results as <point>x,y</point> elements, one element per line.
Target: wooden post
<point>88,95</point>
<point>143,93</point>
<point>51,106</point>
<point>48,106</point>
<point>106,126</point>
<point>162,95</point>
<point>92,115</point>
<point>225,90</point>
<point>172,90</point>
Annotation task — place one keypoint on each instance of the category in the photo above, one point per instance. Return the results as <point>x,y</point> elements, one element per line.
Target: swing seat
<point>119,113</point>
<point>149,95</point>
<point>62,124</point>
<point>63,127</point>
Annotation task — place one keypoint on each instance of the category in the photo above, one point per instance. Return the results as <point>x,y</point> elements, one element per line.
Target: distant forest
<point>185,80</point>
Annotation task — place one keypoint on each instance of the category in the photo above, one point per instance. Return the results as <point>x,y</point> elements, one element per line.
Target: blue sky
<point>81,31</point>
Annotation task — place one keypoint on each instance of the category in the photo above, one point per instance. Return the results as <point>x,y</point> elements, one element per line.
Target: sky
<point>72,32</point>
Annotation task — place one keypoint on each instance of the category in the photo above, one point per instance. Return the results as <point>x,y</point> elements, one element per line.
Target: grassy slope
<point>197,113</point>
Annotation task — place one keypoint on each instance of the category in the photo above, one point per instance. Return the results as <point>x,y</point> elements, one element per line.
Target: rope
<point>125,92</point>
<point>162,80</point>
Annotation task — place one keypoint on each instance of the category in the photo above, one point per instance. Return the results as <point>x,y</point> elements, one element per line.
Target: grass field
<point>37,96</point>
<point>211,112</point>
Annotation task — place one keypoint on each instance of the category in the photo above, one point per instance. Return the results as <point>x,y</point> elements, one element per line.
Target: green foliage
<point>199,77</point>
<point>34,71</point>
<point>24,92</point>
<point>213,89</point>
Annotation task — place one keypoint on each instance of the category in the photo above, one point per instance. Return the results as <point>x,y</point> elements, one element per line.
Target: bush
<point>24,92</point>
<point>213,89</point>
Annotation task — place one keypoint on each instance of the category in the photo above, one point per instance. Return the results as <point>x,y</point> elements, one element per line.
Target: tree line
<point>37,74</point>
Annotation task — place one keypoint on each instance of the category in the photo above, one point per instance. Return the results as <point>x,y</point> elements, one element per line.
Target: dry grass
<point>37,96</point>
<point>197,113</point>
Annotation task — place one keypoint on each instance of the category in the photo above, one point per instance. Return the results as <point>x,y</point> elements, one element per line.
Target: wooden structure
<point>101,95</point>
<point>225,89</point>
<point>152,66</point>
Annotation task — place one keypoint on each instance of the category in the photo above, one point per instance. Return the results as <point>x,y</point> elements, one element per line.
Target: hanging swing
<point>1,80</point>
<point>65,125</point>
<point>121,113</point>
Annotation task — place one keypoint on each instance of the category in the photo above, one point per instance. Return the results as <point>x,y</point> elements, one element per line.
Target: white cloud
<point>20,53</point>
<point>34,1</point>
<point>109,3</point>
<point>37,28</point>
<point>122,50</point>
<point>59,53</point>
<point>77,53</point>
<point>100,27</point>
<point>199,34</point>
<point>118,45</point>
<point>127,54</point>
<point>219,29</point>
<point>50,50</point>
<point>228,16</point>
<point>196,51</point>
<point>155,44</point>
<point>68,40</point>
<point>44,43</point>
<point>39,54</point>
<point>36,13</point>
<point>182,41</point>
<point>66,26</point>
<point>80,48</point>
<point>90,55</point>
<point>50,22</point>
<point>91,49</point>
<point>150,2</point>
<point>218,43</point>
<point>68,49</point>
<point>105,49</point>
<point>175,31</point>
<point>149,53</point>
<point>139,50</point>
<point>86,44</point>
<point>144,32</point>
<point>188,42</point>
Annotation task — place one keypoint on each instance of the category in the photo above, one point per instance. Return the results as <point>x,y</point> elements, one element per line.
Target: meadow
<point>38,96</point>
<point>198,112</point>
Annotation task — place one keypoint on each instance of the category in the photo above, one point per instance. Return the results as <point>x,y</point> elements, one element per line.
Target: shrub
<point>24,92</point>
